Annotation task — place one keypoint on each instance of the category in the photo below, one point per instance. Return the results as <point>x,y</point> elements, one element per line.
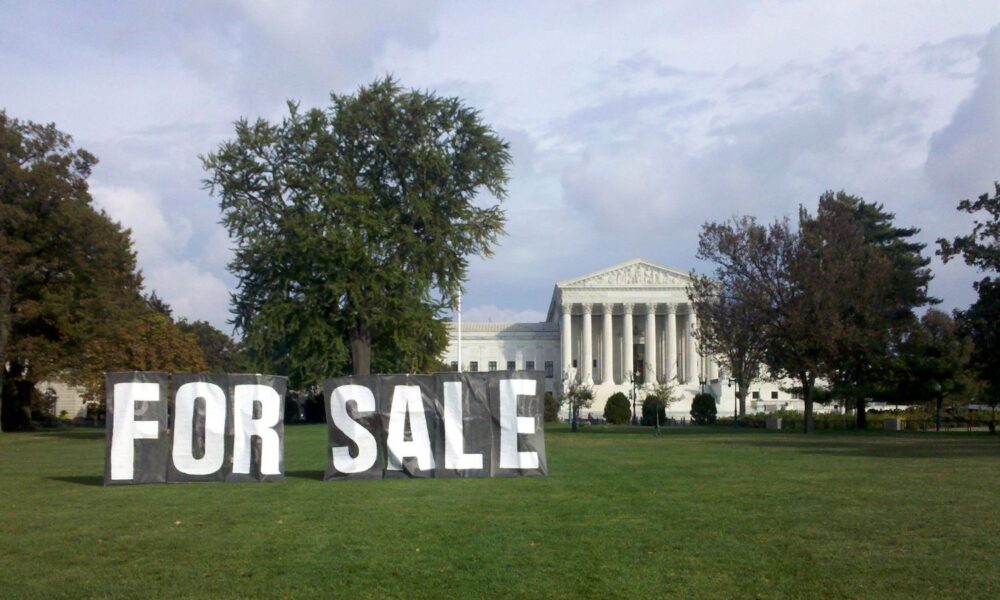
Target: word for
<point>214,428</point>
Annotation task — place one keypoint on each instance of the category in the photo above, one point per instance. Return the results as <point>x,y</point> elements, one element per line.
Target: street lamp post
<point>938,399</point>
<point>634,395</point>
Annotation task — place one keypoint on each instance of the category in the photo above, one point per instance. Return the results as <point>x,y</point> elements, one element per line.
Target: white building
<point>68,398</point>
<point>630,321</point>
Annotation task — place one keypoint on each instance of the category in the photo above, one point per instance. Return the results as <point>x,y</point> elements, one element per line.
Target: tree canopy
<point>64,267</point>
<point>981,249</point>
<point>814,296</point>
<point>221,353</point>
<point>353,226</point>
<point>730,304</point>
<point>866,368</point>
<point>933,362</point>
<point>70,292</point>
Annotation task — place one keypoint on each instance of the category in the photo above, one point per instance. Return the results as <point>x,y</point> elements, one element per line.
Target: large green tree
<point>70,293</point>
<point>981,249</point>
<point>813,296</point>
<point>865,370</point>
<point>830,300</point>
<point>66,270</point>
<point>354,224</point>
<point>933,364</point>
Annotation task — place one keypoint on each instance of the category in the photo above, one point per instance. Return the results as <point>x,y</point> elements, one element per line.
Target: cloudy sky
<point>630,123</point>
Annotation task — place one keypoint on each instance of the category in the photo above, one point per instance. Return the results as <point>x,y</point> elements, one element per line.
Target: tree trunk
<point>861,418</point>
<point>361,349</point>
<point>6,294</point>
<point>743,388</point>
<point>808,382</point>
<point>16,398</point>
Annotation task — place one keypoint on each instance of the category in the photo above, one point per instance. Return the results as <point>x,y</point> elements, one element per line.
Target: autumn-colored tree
<point>66,270</point>
<point>830,302</point>
<point>814,296</point>
<point>70,293</point>
<point>731,306</point>
<point>145,341</point>
<point>222,354</point>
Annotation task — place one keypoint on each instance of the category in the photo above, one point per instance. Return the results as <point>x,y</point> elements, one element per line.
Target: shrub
<point>314,410</point>
<point>551,408</point>
<point>291,409</point>
<point>617,411</point>
<point>651,407</point>
<point>703,410</point>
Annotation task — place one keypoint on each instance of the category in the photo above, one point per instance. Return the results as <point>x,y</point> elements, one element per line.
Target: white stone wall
<point>68,398</point>
<point>501,343</point>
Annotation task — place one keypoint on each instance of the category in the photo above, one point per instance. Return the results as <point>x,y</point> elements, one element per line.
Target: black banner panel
<point>221,428</point>
<point>354,428</point>
<point>257,427</point>
<point>411,416</point>
<point>443,425</point>
<point>200,409</point>
<point>215,427</point>
<point>466,442</point>
<point>517,405</point>
<point>135,449</point>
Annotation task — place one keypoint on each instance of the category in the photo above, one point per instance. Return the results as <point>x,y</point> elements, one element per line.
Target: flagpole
<point>459,331</point>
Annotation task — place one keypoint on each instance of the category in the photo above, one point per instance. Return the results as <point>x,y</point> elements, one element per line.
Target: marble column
<point>566,339</point>
<point>650,359</point>
<point>671,342</point>
<point>692,350</point>
<point>607,347</point>
<point>587,368</point>
<point>713,368</point>
<point>627,339</point>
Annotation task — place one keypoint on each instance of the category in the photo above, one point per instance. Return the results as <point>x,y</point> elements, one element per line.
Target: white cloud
<point>218,250</point>
<point>161,238</point>
<point>155,237</point>
<point>964,157</point>
<point>192,292</point>
<point>630,123</point>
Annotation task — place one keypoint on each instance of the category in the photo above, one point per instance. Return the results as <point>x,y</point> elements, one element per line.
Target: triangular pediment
<point>634,273</point>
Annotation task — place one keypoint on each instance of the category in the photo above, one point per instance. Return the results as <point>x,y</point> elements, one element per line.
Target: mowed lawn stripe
<point>691,513</point>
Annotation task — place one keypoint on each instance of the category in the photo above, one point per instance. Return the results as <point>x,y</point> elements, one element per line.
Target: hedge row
<point>914,420</point>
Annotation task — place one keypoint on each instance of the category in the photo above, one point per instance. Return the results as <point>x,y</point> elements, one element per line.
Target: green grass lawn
<point>692,513</point>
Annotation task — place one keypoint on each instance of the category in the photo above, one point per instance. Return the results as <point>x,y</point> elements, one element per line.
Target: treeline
<point>71,297</point>
<point>833,302</point>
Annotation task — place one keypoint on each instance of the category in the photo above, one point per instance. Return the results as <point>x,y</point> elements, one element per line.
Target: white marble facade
<point>632,320</point>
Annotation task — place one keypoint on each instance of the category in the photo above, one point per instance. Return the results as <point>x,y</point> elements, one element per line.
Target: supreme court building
<point>632,322</point>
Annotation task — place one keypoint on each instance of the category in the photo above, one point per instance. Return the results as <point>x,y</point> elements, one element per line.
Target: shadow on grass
<point>73,434</point>
<point>314,475</point>
<point>588,429</point>
<point>91,480</point>
<point>924,446</point>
